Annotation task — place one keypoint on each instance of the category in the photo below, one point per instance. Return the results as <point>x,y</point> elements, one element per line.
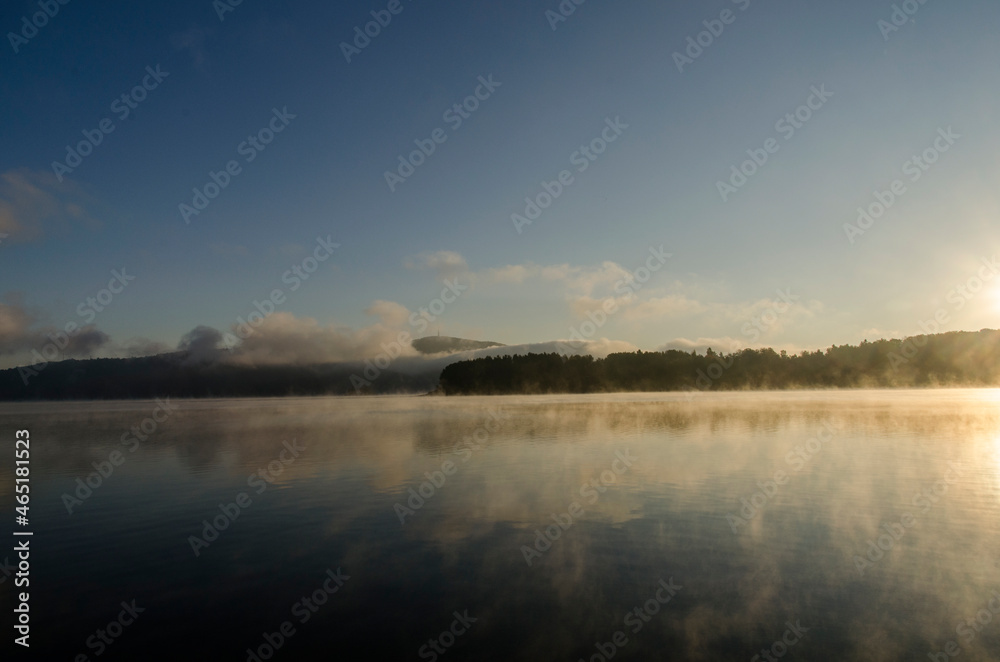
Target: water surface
<point>877,541</point>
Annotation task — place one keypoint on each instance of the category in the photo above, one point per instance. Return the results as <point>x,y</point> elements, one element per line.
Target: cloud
<point>578,280</point>
<point>201,343</point>
<point>672,306</point>
<point>769,316</point>
<point>585,288</point>
<point>14,324</point>
<point>32,202</point>
<point>444,264</point>
<point>283,338</point>
<point>588,280</point>
<point>85,341</point>
<point>512,273</point>
<point>582,305</point>
<point>389,313</point>
<point>20,333</point>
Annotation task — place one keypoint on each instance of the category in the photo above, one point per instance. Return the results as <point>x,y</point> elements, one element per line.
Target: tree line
<point>948,359</point>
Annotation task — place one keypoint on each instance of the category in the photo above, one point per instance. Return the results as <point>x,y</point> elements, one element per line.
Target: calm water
<point>647,493</point>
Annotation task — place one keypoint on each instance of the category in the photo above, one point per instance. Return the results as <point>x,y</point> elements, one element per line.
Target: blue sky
<point>657,184</point>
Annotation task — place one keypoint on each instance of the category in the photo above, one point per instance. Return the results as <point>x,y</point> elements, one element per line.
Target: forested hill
<point>175,375</point>
<point>949,359</point>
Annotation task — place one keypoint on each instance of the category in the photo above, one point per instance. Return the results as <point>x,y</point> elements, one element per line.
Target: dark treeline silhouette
<point>948,359</point>
<point>177,375</point>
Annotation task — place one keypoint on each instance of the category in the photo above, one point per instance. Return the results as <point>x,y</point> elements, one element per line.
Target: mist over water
<point>863,525</point>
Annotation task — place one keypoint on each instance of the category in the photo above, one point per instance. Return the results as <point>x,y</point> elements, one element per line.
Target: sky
<point>640,175</point>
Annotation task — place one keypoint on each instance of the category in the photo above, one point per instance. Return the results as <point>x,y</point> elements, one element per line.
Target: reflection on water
<point>819,525</point>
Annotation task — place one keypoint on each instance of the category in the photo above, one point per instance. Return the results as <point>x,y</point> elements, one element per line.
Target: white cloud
<point>390,313</point>
<point>283,338</point>
<point>445,264</point>
<point>670,306</point>
<point>512,273</point>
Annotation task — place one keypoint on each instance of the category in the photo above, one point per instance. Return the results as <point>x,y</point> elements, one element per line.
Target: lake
<point>835,525</point>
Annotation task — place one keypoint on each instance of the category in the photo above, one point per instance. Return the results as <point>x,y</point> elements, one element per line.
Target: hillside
<point>175,375</point>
